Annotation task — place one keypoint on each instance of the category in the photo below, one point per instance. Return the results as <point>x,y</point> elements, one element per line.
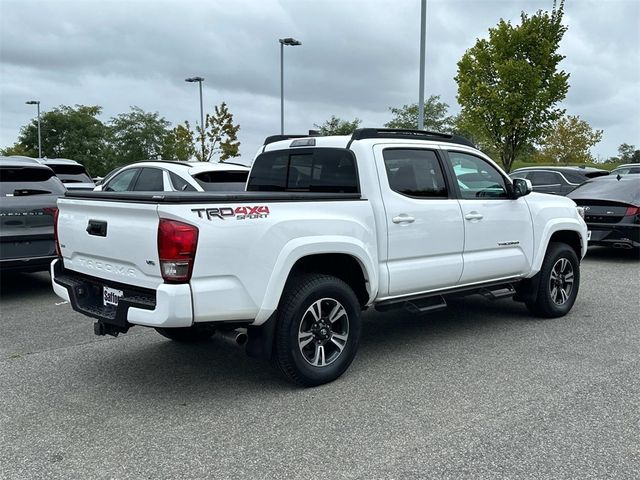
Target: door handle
<point>474,216</point>
<point>403,218</point>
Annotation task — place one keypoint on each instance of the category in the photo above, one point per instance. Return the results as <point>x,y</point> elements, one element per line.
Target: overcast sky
<point>357,59</point>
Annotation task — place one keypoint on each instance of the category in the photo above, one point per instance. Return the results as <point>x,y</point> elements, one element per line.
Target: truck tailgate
<point>112,240</point>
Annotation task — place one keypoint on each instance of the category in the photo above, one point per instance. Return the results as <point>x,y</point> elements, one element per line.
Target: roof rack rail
<point>277,138</point>
<point>362,133</point>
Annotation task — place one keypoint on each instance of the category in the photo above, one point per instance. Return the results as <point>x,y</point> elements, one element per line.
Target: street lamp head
<point>291,42</point>
<point>194,79</point>
<point>33,102</point>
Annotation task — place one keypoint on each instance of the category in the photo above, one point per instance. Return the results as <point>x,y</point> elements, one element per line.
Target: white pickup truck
<point>328,227</point>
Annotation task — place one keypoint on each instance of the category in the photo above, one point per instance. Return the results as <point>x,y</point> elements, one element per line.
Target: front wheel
<point>558,283</point>
<point>318,329</point>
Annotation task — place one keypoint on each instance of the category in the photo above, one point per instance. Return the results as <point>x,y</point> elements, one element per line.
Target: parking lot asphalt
<point>480,390</point>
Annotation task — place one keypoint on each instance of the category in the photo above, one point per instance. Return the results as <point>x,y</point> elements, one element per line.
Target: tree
<point>509,85</point>
<point>67,132</point>
<point>435,116</point>
<point>138,135</point>
<point>628,153</point>
<point>18,149</point>
<point>569,141</point>
<point>220,135</point>
<point>337,126</point>
<point>179,144</point>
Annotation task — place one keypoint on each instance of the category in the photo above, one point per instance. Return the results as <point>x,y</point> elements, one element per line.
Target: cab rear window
<point>20,181</point>
<point>323,170</point>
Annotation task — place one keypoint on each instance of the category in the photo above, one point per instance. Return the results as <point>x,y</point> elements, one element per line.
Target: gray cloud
<point>357,59</point>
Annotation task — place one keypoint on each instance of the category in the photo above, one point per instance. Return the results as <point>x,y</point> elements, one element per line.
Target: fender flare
<point>552,227</point>
<point>302,247</point>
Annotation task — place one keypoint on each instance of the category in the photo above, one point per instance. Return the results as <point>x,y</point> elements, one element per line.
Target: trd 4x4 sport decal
<point>239,213</point>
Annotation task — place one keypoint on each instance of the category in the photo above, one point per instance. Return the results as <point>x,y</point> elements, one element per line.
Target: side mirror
<point>521,187</point>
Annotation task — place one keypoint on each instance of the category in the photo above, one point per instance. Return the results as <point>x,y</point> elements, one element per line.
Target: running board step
<point>497,292</point>
<point>417,305</point>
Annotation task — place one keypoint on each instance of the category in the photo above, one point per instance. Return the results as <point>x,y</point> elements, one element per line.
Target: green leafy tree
<point>18,149</point>
<point>67,132</point>
<point>628,153</point>
<point>138,135</point>
<point>338,126</point>
<point>435,116</point>
<point>509,84</point>
<point>221,135</point>
<point>569,141</point>
<point>178,143</point>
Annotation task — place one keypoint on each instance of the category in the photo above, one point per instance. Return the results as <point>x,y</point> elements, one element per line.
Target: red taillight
<point>53,211</point>
<point>632,211</point>
<point>177,243</point>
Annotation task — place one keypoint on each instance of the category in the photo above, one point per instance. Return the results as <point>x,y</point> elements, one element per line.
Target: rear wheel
<point>193,334</point>
<point>559,280</point>
<point>318,329</point>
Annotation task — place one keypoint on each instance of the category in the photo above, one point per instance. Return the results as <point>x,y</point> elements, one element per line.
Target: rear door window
<point>542,179</point>
<point>150,180</point>
<point>415,173</point>
<point>323,170</point>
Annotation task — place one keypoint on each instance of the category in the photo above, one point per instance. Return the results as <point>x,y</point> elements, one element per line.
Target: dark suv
<point>557,180</point>
<point>28,194</point>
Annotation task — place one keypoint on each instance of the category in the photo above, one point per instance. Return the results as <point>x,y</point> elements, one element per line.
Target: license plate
<point>588,235</point>
<point>110,296</point>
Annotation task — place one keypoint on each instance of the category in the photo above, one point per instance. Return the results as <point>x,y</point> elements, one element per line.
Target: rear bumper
<point>615,234</point>
<point>169,306</point>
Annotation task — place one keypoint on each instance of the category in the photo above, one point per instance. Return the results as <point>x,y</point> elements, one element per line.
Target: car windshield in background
<point>20,181</point>
<point>71,173</point>
<point>221,181</point>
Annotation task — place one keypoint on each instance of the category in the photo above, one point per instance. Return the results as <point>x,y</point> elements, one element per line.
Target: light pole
<point>291,42</point>
<point>37,102</point>
<point>423,34</point>
<point>199,80</point>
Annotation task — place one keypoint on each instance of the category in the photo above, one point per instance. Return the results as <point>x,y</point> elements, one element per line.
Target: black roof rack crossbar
<point>362,133</point>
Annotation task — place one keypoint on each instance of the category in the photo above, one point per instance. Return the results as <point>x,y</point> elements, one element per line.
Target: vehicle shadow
<point>191,373</point>
<point>608,254</point>
<point>18,284</point>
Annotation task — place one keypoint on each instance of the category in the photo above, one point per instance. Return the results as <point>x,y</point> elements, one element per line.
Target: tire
<point>193,334</point>
<point>558,283</point>
<point>317,330</point>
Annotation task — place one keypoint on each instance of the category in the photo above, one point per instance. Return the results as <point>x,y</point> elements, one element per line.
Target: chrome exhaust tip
<point>237,337</point>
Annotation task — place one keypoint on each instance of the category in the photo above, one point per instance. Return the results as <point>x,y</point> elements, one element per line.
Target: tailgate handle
<point>97,228</point>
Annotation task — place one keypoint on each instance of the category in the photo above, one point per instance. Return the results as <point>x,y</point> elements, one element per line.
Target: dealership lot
<point>480,390</point>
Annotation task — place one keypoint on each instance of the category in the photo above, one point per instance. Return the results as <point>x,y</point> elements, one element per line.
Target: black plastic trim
<point>200,197</point>
<point>465,290</point>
